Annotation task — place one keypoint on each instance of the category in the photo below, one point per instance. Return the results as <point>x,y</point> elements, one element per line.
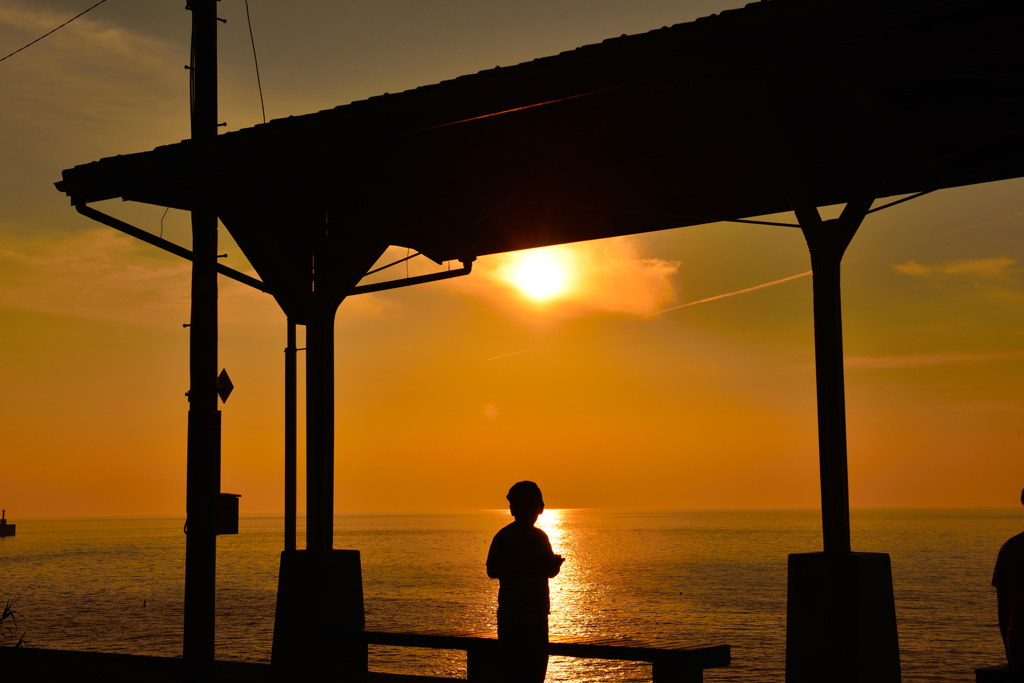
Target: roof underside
<point>727,117</point>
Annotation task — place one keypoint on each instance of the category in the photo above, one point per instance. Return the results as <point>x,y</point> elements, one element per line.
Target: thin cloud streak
<point>994,406</point>
<point>888,362</point>
<point>989,267</point>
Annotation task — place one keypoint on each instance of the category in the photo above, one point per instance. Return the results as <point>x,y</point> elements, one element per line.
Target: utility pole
<point>203,483</point>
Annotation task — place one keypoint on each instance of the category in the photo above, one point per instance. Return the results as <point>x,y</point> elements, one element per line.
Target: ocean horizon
<point>116,583</point>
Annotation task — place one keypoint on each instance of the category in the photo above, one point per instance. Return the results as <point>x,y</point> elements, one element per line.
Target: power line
<point>255,60</point>
<point>162,222</point>
<point>54,30</point>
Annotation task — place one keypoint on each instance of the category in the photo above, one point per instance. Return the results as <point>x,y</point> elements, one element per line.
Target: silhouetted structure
<point>782,105</point>
<point>5,528</point>
<point>671,662</point>
<point>521,559</point>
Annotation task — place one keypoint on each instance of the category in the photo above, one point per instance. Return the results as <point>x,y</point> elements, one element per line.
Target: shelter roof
<point>730,116</point>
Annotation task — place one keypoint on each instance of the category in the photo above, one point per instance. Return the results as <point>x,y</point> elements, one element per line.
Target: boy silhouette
<point>522,560</point>
<point>1008,578</point>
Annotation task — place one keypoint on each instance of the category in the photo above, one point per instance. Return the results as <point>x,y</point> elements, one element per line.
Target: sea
<point>116,584</point>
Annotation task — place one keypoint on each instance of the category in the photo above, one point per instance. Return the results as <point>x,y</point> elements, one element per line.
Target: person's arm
<point>1003,601</point>
<point>497,559</point>
<point>552,562</point>
<point>555,565</point>
<point>1002,595</point>
<point>493,564</point>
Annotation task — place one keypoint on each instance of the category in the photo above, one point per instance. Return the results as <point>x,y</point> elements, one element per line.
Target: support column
<point>841,615</point>
<point>203,477</point>
<point>320,590</point>
<point>290,437</point>
<point>320,427</point>
<point>827,241</point>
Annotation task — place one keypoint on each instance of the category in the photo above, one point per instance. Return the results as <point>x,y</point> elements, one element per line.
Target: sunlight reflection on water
<point>697,577</point>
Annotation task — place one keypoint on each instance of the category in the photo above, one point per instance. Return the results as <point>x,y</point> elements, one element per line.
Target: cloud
<point>97,274</point>
<point>601,276</point>
<point>988,267</point>
<point>73,86</point>
<point>369,306</point>
<point>103,275</point>
<point>890,362</point>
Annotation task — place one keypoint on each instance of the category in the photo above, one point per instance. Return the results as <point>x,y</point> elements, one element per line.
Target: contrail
<point>506,355</point>
<point>723,296</point>
<point>675,308</point>
<point>776,282</point>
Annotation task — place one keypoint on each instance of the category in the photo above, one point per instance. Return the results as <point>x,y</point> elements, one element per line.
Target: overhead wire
<point>256,61</point>
<point>475,225</point>
<point>791,277</point>
<point>162,222</point>
<point>54,30</point>
<point>794,225</point>
<point>569,154</point>
<point>900,201</point>
<point>393,263</point>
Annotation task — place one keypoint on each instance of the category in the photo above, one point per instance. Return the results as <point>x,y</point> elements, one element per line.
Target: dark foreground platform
<point>86,667</point>
<point>1000,673</point>
<point>673,663</point>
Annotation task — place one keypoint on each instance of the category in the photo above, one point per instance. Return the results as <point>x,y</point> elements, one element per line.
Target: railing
<point>672,662</point>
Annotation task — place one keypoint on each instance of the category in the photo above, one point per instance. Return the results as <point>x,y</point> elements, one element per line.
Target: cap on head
<point>525,493</point>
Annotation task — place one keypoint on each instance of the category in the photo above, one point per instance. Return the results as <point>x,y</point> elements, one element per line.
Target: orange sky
<point>448,392</point>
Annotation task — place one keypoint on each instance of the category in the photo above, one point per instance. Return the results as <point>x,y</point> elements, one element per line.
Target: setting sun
<point>539,277</point>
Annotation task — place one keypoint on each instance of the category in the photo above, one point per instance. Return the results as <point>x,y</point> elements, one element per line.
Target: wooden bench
<point>672,662</point>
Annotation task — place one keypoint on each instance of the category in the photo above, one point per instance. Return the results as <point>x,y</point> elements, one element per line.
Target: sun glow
<point>540,277</point>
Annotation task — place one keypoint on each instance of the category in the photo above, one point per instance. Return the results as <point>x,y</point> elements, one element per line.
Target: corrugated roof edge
<point>536,62</point>
<point>719,21</point>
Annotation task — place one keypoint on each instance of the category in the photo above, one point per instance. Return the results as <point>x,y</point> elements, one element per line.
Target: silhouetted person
<point>522,560</point>
<point>1008,579</point>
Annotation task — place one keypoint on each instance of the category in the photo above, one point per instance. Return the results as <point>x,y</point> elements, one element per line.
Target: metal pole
<point>290,437</point>
<point>203,480</point>
<point>320,426</point>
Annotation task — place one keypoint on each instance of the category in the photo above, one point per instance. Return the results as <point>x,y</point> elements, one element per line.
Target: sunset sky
<point>599,380</point>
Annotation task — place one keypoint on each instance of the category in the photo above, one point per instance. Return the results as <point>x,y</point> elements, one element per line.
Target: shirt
<point>522,560</point>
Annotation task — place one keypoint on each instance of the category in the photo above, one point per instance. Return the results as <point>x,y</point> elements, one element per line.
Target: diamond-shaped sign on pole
<point>224,385</point>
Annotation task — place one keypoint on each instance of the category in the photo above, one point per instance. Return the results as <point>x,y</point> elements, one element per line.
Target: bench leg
<point>483,663</point>
<point>667,672</point>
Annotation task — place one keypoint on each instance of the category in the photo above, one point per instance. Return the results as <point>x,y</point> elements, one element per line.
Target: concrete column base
<point>319,593</point>
<point>841,619</point>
